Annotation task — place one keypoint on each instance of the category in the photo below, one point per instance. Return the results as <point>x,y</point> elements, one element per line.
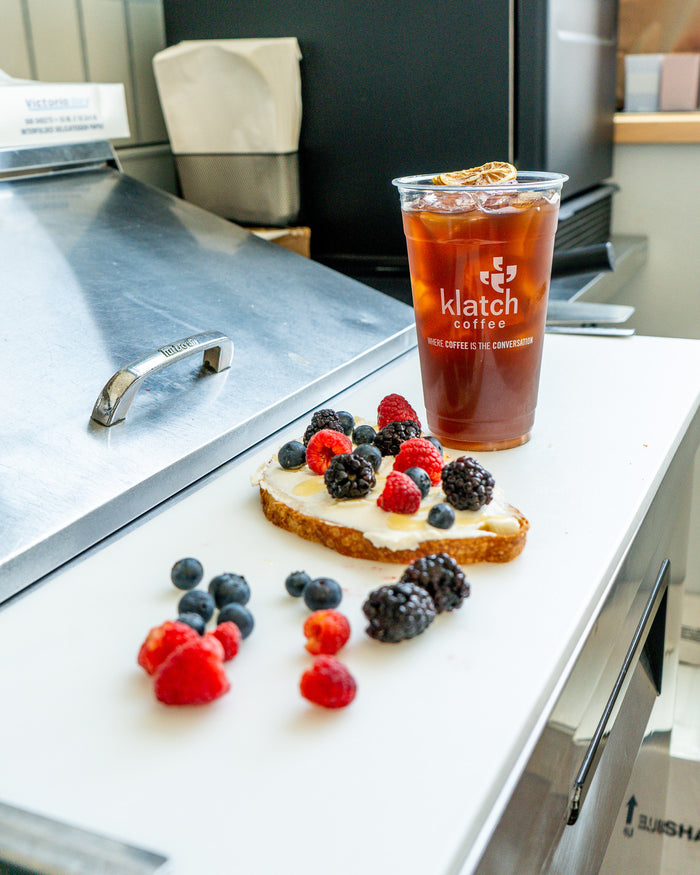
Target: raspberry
<point>229,636</point>
<point>400,494</point>
<point>394,408</point>
<point>467,485</point>
<point>390,438</point>
<point>441,577</point>
<point>420,453</point>
<point>326,418</point>
<point>326,631</point>
<point>161,641</point>
<point>193,674</point>
<point>323,446</point>
<point>328,683</point>
<point>349,476</point>
<point>398,611</point>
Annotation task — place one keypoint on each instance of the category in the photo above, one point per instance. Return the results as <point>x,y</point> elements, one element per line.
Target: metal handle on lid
<point>115,398</point>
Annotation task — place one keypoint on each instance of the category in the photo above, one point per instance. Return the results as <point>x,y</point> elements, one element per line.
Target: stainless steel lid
<point>101,271</point>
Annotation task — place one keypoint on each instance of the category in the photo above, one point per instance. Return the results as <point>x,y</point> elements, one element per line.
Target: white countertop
<point>409,776</point>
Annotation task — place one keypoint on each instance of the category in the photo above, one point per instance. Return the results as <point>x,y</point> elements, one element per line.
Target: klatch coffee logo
<point>484,311</point>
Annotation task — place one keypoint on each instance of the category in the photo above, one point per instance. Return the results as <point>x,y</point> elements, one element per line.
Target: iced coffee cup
<point>480,247</point>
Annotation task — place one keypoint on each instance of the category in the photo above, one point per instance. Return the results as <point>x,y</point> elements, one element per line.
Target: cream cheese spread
<point>305,492</point>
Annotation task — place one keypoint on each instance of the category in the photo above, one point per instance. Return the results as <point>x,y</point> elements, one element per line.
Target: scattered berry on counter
<point>326,632</point>
<point>441,516</point>
<point>441,577</point>
<point>296,582</point>
<point>328,683</point>
<point>196,621</point>
<point>363,434</point>
<point>436,443</point>
<point>192,674</point>
<point>400,494</point>
<point>323,419</point>
<point>229,587</point>
<point>394,408</point>
<point>322,593</point>
<point>196,601</point>
<point>466,484</point>
<point>349,476</point>
<point>238,614</point>
<point>390,438</point>
<point>371,453</point>
<point>229,636</point>
<point>160,643</point>
<point>420,453</point>
<point>420,478</point>
<point>186,573</point>
<point>323,446</point>
<point>292,455</point>
<point>348,421</point>
<point>398,611</point>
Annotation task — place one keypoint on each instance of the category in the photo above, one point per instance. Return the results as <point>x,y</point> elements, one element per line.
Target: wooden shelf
<point>657,127</point>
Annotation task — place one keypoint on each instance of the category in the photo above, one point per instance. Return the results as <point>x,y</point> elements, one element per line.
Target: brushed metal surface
<point>99,270</point>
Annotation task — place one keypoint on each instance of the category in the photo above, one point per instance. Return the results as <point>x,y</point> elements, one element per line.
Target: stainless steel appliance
<point>123,286</point>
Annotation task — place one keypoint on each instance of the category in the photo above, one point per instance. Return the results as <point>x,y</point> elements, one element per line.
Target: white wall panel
<point>58,50</point>
<point>15,57</point>
<point>107,57</point>
<point>147,37</point>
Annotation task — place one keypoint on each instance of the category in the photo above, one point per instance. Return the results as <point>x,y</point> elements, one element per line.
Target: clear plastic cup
<point>480,258</point>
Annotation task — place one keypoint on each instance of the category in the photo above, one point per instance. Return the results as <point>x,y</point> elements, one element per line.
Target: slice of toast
<point>296,500</point>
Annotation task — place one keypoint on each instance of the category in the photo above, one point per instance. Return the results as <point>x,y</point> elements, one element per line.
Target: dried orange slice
<point>487,174</point>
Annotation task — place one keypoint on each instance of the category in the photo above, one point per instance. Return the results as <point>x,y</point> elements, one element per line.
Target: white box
<point>642,82</point>
<point>46,113</point>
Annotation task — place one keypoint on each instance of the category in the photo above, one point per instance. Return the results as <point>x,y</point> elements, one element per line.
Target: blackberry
<point>398,611</point>
<point>441,577</point>
<point>292,455</point>
<point>371,453</point>
<point>325,418</point>
<point>466,484</point>
<point>420,478</point>
<point>349,476</point>
<point>363,434</point>
<point>390,438</point>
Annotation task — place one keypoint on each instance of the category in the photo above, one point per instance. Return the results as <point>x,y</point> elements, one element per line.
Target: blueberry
<point>229,588</point>
<point>239,615</point>
<point>296,581</point>
<point>441,516</point>
<point>186,573</point>
<point>371,453</point>
<point>322,593</point>
<point>347,420</point>
<point>196,601</point>
<point>363,434</point>
<point>435,442</point>
<point>194,620</point>
<point>292,454</point>
<point>420,478</point>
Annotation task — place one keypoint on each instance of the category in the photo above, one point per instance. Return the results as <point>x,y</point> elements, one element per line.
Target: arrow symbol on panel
<point>631,805</point>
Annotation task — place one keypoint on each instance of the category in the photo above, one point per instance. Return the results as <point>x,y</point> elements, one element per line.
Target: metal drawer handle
<point>115,398</point>
<point>648,641</point>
